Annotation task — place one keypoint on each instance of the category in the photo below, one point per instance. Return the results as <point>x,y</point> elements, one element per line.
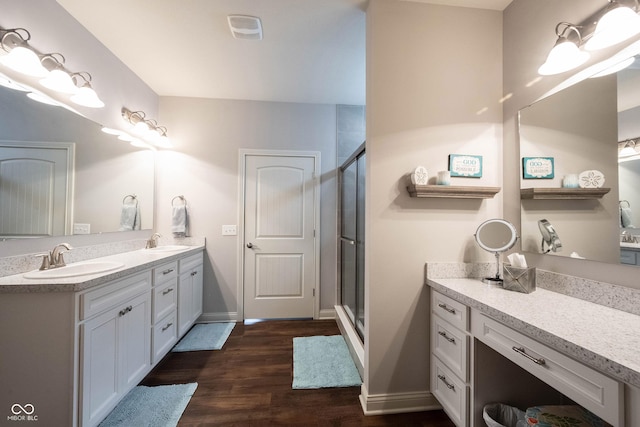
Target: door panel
<point>280,268</point>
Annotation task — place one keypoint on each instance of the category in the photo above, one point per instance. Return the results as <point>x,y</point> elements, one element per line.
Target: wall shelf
<point>563,193</point>
<point>452,191</point>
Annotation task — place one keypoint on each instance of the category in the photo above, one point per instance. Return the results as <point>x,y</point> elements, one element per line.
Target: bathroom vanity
<point>75,346</point>
<point>492,345</point>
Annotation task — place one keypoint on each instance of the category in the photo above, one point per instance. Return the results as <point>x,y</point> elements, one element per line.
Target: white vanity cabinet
<point>165,309</point>
<point>115,320</point>
<point>189,291</point>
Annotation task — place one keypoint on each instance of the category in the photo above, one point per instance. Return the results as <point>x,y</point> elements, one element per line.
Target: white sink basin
<point>73,270</point>
<point>168,248</point>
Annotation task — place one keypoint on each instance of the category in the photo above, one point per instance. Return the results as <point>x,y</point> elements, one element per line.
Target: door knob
<point>250,245</point>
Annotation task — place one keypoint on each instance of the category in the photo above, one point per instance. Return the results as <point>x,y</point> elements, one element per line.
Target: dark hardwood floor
<point>248,383</point>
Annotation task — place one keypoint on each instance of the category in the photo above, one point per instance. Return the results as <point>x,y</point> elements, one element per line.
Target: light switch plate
<point>229,230</point>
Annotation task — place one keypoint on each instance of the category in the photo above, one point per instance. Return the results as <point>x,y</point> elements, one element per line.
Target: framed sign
<point>537,168</point>
<point>465,165</point>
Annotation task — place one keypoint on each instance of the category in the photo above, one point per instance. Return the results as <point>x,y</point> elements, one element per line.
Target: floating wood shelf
<point>563,193</point>
<point>452,191</point>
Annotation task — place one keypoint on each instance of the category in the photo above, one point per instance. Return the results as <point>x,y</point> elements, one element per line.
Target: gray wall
<point>351,130</point>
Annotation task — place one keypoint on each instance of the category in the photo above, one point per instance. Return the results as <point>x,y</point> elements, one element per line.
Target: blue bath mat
<point>205,336</point>
<point>160,406</point>
<point>323,361</point>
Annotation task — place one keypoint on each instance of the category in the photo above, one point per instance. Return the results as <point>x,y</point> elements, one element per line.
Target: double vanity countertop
<point>132,262</point>
<point>601,337</point>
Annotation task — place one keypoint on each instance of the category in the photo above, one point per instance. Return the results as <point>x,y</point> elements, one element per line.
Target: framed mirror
<point>496,236</point>
<point>86,194</point>
<point>581,128</point>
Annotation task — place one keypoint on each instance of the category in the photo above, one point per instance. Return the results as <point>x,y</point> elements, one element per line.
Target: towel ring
<point>625,201</point>
<point>184,201</point>
<point>132,196</point>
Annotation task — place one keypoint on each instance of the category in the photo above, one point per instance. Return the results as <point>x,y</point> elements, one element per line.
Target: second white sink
<point>168,248</point>
<point>73,270</point>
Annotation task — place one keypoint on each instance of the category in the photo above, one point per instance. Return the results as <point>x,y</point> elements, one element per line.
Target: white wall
<point>528,36</point>
<point>434,81</point>
<point>207,135</point>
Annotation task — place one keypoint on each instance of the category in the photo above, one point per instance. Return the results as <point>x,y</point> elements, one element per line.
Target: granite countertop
<point>134,262</point>
<point>603,338</point>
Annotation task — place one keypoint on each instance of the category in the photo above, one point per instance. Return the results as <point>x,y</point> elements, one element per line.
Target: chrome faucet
<point>153,241</point>
<point>54,258</point>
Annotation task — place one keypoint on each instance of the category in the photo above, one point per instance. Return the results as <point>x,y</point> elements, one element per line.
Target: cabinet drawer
<point>451,346</point>
<point>587,387</point>
<point>452,394</point>
<point>165,335</point>
<point>451,310</point>
<point>112,294</point>
<point>165,299</point>
<point>628,257</point>
<point>190,262</point>
<point>165,272</point>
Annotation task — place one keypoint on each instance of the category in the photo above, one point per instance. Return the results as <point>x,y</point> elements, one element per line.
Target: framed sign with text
<point>537,168</point>
<point>464,165</point>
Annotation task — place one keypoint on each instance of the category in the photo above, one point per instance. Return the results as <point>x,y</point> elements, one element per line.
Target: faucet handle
<point>46,260</point>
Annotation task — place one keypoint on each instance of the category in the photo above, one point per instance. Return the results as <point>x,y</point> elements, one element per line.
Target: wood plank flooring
<point>248,383</point>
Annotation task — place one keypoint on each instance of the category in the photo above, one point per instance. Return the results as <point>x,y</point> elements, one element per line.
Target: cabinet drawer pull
<point>167,291</point>
<point>170,270</point>
<point>167,327</point>
<point>520,350</point>
<point>445,307</point>
<point>444,335</point>
<point>444,380</point>
<point>193,273</point>
<point>125,310</point>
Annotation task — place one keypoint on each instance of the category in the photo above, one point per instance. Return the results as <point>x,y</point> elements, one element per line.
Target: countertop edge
<point>575,351</point>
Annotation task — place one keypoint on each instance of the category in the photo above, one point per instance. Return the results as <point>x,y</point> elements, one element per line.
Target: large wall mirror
<point>61,163</point>
<point>582,128</point>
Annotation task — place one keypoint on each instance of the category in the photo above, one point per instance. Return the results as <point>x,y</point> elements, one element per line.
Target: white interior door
<point>34,191</point>
<point>279,244</point>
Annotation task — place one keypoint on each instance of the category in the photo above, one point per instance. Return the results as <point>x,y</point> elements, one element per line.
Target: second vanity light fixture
<point>613,24</point>
<point>142,131</point>
<point>48,68</point>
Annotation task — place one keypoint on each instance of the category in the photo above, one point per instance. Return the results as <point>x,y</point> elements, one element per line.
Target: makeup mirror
<point>496,236</point>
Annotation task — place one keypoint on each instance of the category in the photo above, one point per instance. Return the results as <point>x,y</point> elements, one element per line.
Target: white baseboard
<point>327,313</point>
<point>231,316</point>
<point>396,403</point>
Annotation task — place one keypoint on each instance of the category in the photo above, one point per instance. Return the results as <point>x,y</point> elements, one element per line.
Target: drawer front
<point>452,311</point>
<point>165,335</point>
<point>165,299</point>
<point>112,294</point>
<point>587,387</point>
<point>452,394</point>
<point>165,272</point>
<point>451,346</point>
<point>628,257</point>
<point>190,262</point>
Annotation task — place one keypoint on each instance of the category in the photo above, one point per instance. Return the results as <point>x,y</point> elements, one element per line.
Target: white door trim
<point>243,154</point>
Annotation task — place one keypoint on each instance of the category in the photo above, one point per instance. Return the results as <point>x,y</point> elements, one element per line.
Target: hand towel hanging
<point>179,218</point>
<point>130,214</point>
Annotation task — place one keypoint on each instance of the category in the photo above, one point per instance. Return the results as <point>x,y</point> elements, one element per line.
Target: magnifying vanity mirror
<point>496,236</point>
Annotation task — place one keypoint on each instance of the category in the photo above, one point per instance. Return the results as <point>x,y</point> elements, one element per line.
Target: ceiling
<point>313,51</point>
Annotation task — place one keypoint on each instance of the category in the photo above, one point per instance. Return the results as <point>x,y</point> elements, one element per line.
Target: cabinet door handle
<point>193,273</point>
<point>167,327</point>
<point>445,307</point>
<point>168,271</point>
<point>125,310</point>
<point>521,351</point>
<point>167,291</point>
<point>444,380</point>
<point>444,335</point>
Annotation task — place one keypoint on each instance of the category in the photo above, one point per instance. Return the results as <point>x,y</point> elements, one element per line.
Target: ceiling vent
<point>245,27</point>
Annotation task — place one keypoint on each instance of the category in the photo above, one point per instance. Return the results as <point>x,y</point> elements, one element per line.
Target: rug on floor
<point>205,336</point>
<point>323,361</point>
<point>160,406</point>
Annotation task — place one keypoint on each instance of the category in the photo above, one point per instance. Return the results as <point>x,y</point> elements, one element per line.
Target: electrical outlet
<point>79,228</point>
<point>229,230</point>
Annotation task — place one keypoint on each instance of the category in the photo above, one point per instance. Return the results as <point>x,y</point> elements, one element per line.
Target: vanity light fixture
<point>147,130</point>
<point>20,57</point>
<point>85,95</point>
<point>57,78</point>
<point>611,25</point>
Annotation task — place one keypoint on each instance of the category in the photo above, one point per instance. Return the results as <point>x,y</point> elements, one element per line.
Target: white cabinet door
<point>189,292</point>
<point>134,338</point>
<point>196,296</point>
<point>185,298</point>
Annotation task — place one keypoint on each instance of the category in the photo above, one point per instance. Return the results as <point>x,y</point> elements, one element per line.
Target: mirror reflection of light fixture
<point>550,238</point>
<point>496,236</point>
<point>610,25</point>
<point>146,129</point>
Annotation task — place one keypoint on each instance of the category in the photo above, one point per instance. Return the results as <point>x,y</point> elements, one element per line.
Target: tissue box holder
<point>519,279</point>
